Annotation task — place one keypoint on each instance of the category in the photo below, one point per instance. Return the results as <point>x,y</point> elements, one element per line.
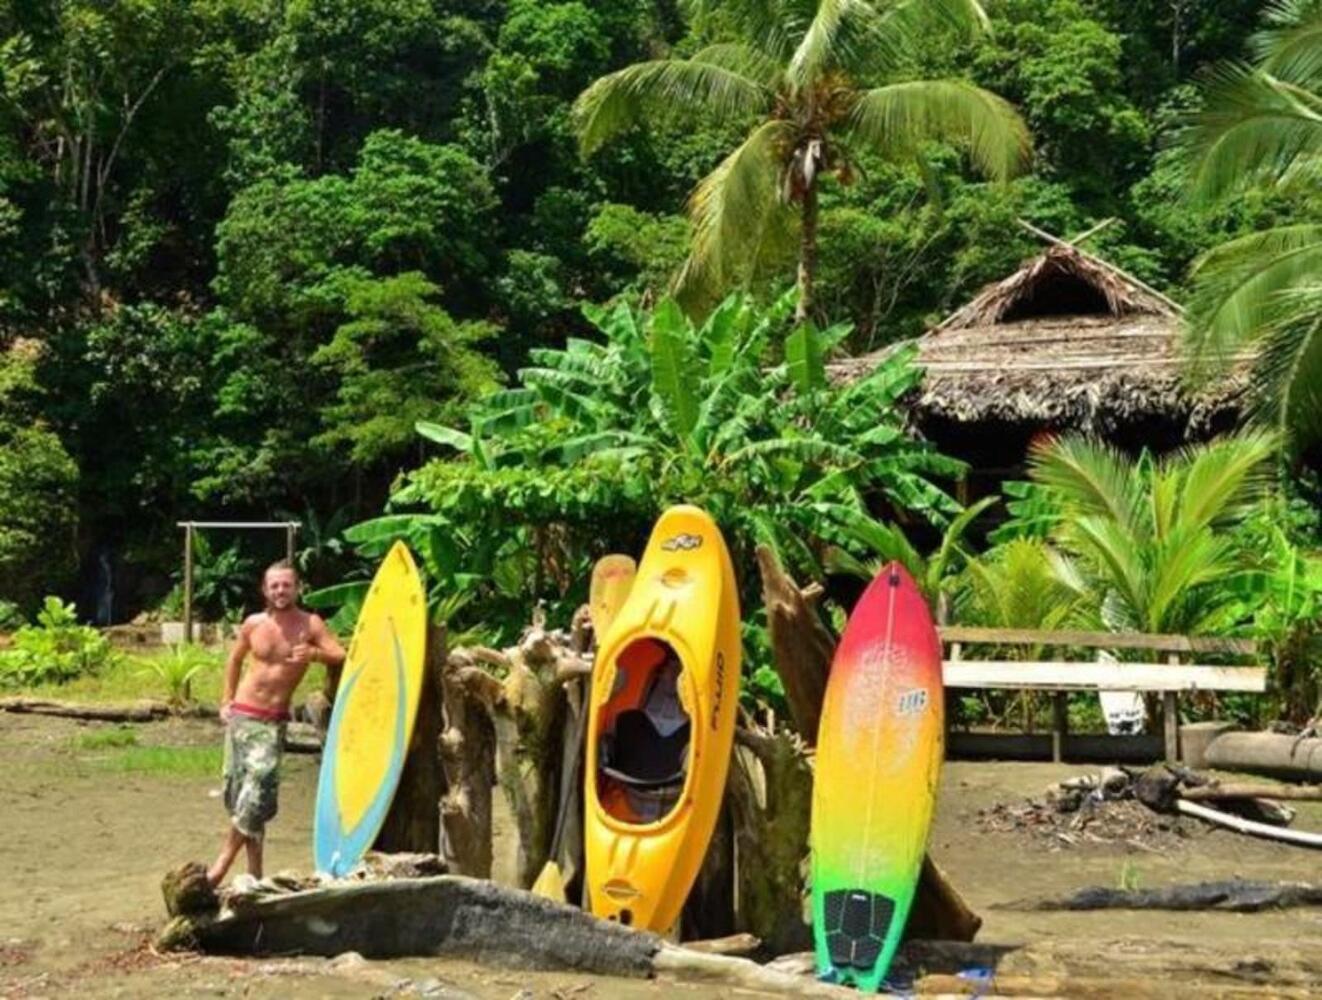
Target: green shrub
<point>11,616</point>
<point>54,650</point>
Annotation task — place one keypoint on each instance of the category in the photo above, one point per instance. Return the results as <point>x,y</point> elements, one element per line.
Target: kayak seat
<point>639,756</point>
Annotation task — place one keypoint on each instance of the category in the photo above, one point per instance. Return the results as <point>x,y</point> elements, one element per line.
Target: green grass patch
<point>189,762</point>
<point>103,739</point>
<point>130,679</point>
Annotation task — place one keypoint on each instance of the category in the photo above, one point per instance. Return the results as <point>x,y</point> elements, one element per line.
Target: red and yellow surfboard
<point>879,755</point>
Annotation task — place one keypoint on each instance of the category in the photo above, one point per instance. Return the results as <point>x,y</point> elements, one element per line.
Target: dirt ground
<point>84,847</point>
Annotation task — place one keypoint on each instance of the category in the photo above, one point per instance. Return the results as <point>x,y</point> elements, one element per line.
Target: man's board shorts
<point>254,745</point>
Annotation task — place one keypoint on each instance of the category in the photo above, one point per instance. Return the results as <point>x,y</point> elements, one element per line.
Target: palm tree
<point>1150,536</point>
<point>794,70</point>
<point>1261,294</point>
<point>1023,584</point>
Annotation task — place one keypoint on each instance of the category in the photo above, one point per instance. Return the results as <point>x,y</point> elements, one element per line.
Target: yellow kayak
<point>661,728</point>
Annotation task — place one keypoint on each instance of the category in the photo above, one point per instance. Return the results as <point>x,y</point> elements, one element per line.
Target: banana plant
<point>937,574</point>
<point>733,414</point>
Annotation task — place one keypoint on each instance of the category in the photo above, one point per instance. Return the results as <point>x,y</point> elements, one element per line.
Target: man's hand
<point>225,711</point>
<point>302,654</point>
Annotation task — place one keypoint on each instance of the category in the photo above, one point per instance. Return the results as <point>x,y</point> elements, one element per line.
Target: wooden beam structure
<point>1084,675</point>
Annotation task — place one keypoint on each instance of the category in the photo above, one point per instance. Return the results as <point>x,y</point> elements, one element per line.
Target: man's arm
<point>234,666</point>
<point>326,649</point>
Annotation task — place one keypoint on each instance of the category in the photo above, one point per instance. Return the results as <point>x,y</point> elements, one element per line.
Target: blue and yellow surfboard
<point>372,722</point>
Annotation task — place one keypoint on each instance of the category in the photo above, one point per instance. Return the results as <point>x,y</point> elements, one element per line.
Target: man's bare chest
<point>273,642</point>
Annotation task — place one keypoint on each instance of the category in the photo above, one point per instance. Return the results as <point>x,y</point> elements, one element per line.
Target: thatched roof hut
<point>1066,342</point>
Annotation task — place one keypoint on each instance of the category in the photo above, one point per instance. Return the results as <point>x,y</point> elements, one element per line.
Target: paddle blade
<point>612,579</point>
<point>550,884</point>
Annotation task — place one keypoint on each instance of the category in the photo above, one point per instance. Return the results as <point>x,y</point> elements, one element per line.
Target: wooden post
<point>291,529</point>
<point>1170,713</point>
<point>188,582</point>
<point>956,653</point>
<point>1060,724</point>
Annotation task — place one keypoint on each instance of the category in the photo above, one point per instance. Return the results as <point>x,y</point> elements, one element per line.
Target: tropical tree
<point>1151,535</point>
<point>599,436</point>
<point>1261,123</point>
<point>799,70</point>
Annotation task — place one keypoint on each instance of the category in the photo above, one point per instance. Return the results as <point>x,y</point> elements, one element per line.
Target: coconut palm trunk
<point>807,253</point>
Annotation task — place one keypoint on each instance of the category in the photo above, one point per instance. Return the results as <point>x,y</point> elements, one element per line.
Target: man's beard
<point>280,603</point>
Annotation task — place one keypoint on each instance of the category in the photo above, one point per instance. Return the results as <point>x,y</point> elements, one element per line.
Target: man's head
<point>280,586</point>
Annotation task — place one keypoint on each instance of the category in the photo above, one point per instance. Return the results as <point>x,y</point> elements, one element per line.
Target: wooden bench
<point>1169,679</point>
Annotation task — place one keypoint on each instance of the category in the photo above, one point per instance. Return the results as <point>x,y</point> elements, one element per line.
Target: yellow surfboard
<point>612,579</point>
<point>661,729</point>
<point>372,722</point>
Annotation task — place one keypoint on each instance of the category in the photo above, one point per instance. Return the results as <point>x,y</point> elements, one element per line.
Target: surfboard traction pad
<point>856,924</point>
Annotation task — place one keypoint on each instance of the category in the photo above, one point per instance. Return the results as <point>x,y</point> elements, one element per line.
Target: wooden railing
<point>1061,676</point>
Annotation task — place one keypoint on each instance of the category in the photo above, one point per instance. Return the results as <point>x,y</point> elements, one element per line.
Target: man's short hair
<point>281,564</point>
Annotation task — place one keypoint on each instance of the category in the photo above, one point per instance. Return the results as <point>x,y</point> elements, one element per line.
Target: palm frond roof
<point>1066,341</point>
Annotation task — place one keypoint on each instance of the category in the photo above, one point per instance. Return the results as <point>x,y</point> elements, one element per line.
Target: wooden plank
<point>1085,676</point>
<point>1140,748</point>
<point>1097,640</point>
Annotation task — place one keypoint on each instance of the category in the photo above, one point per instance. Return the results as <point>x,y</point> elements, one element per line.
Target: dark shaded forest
<point>246,247</point>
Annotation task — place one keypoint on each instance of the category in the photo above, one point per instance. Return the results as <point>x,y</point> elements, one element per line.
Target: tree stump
<point>187,892</point>
<point>413,824</point>
<point>521,701</point>
<point>468,759</point>
<point>771,786</point>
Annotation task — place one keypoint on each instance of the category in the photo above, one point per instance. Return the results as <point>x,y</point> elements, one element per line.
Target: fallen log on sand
<point>1291,757</point>
<point>138,711</point>
<point>1302,838</point>
<point>461,917</point>
<point>1216,790</point>
<point>300,737</point>
<point>452,916</point>
<point>1234,895</point>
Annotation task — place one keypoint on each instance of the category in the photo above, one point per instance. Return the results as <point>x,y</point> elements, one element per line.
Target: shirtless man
<point>282,641</point>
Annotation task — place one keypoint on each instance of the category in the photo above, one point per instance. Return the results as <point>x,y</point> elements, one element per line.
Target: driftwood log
<point>506,928</point>
<point>1216,790</point>
<point>1234,895</point>
<point>299,737</point>
<point>468,760</point>
<point>770,790</point>
<point>459,917</point>
<point>1300,838</point>
<point>1292,758</point>
<point>1164,787</point>
<point>515,699</point>
<point>138,711</point>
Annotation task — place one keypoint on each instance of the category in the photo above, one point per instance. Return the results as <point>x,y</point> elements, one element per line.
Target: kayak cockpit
<point>643,743</point>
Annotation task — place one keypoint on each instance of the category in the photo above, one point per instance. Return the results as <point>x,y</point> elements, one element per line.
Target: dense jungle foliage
<point>246,248</point>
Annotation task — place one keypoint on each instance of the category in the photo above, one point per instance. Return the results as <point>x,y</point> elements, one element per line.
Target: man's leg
<point>229,850</point>
<point>254,845</point>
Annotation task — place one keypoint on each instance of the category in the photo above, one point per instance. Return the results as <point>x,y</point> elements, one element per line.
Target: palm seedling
<point>176,671</point>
